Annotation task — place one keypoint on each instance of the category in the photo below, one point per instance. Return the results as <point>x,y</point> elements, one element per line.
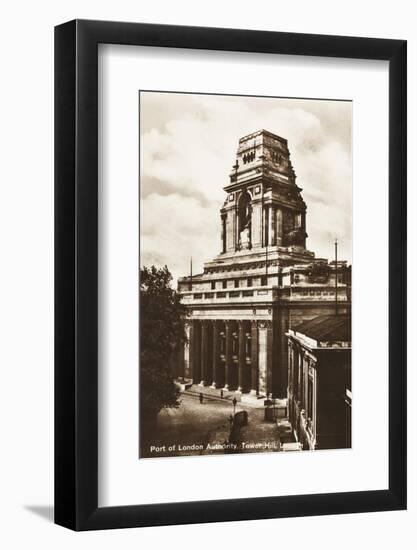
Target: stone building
<point>262,282</point>
<point>319,382</point>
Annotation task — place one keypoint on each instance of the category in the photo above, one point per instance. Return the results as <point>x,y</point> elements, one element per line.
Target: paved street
<point>196,428</point>
<point>259,436</point>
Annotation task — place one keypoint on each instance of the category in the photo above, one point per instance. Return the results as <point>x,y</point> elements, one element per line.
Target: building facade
<point>319,382</point>
<point>262,282</point>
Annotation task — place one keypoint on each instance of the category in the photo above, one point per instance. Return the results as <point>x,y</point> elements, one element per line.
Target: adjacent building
<point>263,282</point>
<point>319,382</point>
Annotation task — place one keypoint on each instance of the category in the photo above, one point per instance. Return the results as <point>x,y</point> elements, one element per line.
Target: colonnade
<point>223,354</point>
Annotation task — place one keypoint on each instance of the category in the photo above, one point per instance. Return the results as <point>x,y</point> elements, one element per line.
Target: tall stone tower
<point>263,206</point>
<point>262,282</point>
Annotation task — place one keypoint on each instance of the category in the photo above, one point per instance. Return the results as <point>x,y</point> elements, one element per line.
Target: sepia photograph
<point>245,276</point>
<point>223,195</point>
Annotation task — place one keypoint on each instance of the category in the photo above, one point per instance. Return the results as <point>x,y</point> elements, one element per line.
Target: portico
<point>224,354</point>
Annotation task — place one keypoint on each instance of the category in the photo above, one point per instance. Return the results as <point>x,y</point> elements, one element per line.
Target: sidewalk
<point>247,400</point>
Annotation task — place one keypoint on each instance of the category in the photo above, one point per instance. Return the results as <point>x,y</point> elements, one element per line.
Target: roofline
<point>262,131</point>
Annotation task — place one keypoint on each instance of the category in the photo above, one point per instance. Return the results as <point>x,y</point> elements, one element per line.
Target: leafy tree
<point>161,335</point>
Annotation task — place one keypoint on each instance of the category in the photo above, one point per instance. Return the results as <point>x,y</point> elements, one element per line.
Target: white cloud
<point>174,228</point>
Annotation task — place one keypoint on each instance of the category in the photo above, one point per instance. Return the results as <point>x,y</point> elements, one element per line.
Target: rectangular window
<point>310,398</point>
<point>213,285</point>
<point>250,281</point>
<point>236,283</point>
<point>295,379</point>
<point>264,280</point>
<point>300,379</point>
<point>224,284</point>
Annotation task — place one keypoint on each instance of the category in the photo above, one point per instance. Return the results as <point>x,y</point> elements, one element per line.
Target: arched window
<point>244,217</point>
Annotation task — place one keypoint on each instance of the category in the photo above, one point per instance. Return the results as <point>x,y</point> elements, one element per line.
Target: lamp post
<point>231,426</point>
<point>274,411</point>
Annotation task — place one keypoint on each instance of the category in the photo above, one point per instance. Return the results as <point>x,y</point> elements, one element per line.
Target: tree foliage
<point>161,335</point>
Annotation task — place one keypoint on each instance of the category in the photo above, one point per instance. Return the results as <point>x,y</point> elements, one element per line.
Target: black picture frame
<point>76,272</point>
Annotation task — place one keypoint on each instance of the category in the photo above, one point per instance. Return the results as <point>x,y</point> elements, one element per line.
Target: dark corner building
<point>263,281</point>
<point>319,382</point>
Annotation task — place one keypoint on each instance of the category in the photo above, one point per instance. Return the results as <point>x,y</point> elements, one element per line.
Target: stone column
<point>204,352</point>
<point>223,233</point>
<point>264,225</point>
<point>269,355</point>
<point>273,225</point>
<point>278,228</point>
<point>186,351</point>
<point>241,357</point>
<point>270,225</point>
<point>196,351</point>
<point>254,359</point>
<point>191,350</point>
<point>216,354</point>
<point>256,225</point>
<point>228,354</point>
<point>230,230</point>
<point>265,356</point>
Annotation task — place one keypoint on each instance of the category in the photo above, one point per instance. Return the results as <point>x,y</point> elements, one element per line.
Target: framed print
<point>230,275</point>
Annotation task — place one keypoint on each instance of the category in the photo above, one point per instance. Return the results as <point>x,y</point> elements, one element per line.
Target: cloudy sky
<point>188,144</point>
